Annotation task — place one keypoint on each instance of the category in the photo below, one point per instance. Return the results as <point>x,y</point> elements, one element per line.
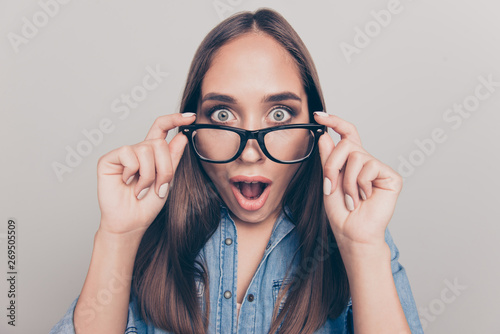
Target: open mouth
<point>250,192</point>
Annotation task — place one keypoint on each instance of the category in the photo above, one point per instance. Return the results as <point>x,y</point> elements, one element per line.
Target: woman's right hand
<point>149,166</point>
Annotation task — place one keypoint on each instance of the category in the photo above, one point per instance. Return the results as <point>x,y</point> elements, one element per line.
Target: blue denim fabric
<point>255,313</point>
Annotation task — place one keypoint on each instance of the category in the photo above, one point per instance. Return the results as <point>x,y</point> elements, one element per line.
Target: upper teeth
<point>250,182</point>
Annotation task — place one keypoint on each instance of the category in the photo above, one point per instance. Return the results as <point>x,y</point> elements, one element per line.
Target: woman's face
<point>252,83</point>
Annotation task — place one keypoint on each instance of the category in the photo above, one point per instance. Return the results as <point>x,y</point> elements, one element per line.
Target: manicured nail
<point>142,193</point>
<point>188,114</point>
<point>163,190</point>
<point>321,113</point>
<point>130,179</point>
<point>327,186</point>
<point>349,203</point>
<point>363,195</point>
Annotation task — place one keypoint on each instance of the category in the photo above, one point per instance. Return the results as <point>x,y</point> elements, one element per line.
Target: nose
<point>252,153</point>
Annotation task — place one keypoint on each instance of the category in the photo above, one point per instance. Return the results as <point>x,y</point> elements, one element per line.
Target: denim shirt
<point>221,255</point>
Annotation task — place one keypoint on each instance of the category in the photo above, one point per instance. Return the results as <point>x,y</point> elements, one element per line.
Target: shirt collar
<point>282,226</point>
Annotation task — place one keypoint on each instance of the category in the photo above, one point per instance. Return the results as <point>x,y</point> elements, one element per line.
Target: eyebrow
<point>283,96</point>
<point>218,97</point>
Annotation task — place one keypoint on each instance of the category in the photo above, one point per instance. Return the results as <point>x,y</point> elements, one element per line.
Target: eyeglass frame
<point>258,135</point>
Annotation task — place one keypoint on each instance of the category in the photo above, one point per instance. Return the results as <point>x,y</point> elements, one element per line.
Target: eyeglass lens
<point>284,145</point>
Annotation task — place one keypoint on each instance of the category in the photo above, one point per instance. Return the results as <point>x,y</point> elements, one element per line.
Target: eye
<point>280,114</point>
<point>222,115</point>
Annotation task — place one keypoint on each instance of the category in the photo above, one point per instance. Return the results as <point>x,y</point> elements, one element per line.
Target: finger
<point>163,165</point>
<point>121,161</point>
<point>362,192</point>
<point>130,162</point>
<point>337,160</point>
<point>335,203</point>
<point>176,147</point>
<point>147,173</point>
<point>365,180</point>
<point>163,124</point>
<point>375,174</point>
<point>325,147</point>
<point>167,157</point>
<point>338,195</point>
<point>355,163</point>
<point>343,128</point>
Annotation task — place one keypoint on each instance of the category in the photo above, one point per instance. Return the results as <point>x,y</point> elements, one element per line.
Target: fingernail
<point>130,179</point>
<point>163,190</point>
<point>363,195</point>
<point>327,186</point>
<point>321,113</point>
<point>349,203</point>
<point>188,114</point>
<point>142,193</point>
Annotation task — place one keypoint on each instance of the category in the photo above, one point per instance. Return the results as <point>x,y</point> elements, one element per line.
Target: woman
<point>263,231</point>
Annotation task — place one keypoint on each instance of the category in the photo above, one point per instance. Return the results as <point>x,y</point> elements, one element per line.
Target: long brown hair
<point>165,269</point>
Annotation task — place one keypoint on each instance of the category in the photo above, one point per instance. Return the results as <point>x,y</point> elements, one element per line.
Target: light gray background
<point>396,91</point>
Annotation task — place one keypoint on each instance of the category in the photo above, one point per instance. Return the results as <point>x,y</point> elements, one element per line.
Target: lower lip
<point>251,204</point>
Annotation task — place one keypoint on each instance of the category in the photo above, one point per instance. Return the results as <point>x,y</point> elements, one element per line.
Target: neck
<point>255,230</point>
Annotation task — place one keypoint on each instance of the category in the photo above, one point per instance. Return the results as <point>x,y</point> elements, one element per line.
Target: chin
<point>251,217</point>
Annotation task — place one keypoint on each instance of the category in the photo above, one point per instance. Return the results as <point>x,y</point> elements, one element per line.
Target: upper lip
<point>249,179</point>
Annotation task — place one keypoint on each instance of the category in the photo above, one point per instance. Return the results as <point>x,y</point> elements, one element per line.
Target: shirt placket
<point>226,315</point>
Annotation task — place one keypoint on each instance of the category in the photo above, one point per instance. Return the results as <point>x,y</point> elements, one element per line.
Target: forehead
<point>253,63</point>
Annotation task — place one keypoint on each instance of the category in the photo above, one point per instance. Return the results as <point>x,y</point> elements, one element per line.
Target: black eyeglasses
<point>286,144</point>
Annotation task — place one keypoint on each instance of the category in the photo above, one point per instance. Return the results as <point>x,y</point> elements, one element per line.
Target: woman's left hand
<point>360,191</point>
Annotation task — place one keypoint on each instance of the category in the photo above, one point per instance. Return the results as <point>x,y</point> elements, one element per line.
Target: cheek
<point>285,174</point>
<point>216,173</point>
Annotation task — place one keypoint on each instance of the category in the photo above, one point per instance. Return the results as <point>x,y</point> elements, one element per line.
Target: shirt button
<point>229,241</point>
<point>227,294</point>
<point>268,245</point>
<point>251,298</point>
